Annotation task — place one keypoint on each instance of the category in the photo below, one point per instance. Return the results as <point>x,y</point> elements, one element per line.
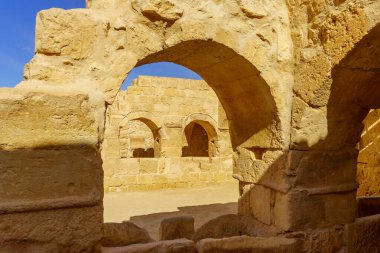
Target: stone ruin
<point>296,80</point>
<point>165,133</point>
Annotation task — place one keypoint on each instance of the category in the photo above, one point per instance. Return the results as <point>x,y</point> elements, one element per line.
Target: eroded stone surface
<point>242,244</point>
<point>173,246</point>
<point>176,228</point>
<point>298,75</point>
<point>123,234</point>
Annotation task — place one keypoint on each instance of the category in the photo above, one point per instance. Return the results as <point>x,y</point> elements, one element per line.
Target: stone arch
<point>354,91</point>
<point>146,119</point>
<point>209,125</point>
<point>237,77</point>
<point>197,141</point>
<point>327,168</point>
<point>245,56</point>
<point>243,51</point>
<point>236,61</point>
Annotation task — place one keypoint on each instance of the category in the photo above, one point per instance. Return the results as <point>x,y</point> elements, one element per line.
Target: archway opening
<point>197,141</point>
<point>139,140</point>
<point>353,132</point>
<point>168,112</point>
<point>236,86</point>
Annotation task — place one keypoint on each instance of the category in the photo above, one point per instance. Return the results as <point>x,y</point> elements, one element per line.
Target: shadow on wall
<point>49,189</point>
<point>143,153</point>
<point>201,214</point>
<point>314,185</point>
<point>231,76</point>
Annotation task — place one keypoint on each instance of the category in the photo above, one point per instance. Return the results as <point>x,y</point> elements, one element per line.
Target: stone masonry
<point>153,129</point>
<point>296,79</point>
<point>369,156</point>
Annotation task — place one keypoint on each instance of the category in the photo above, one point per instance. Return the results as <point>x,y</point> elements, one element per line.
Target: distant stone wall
<point>369,156</point>
<point>166,133</point>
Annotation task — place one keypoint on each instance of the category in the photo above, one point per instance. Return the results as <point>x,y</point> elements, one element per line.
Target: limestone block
<point>368,178</point>
<point>128,179</point>
<point>223,226</point>
<point>252,9</point>
<point>166,10</point>
<point>148,165</point>
<point>70,33</point>
<point>241,244</point>
<point>129,166</point>
<point>363,235</point>
<point>324,240</point>
<point>45,178</point>
<point>324,170</point>
<point>176,228</point>
<point>55,230</point>
<point>145,179</point>
<point>174,246</point>
<point>342,29</point>
<point>160,179</point>
<point>207,166</point>
<point>123,234</point>
<point>53,69</point>
<point>29,117</point>
<point>206,176</point>
<point>261,202</point>
<point>298,210</point>
<point>189,165</point>
<point>250,169</point>
<point>312,128</point>
<point>311,75</point>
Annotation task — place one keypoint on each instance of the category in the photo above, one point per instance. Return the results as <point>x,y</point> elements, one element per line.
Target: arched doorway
<point>197,141</point>
<point>139,139</point>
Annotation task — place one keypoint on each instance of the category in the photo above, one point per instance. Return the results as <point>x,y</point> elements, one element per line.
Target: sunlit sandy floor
<point>147,209</point>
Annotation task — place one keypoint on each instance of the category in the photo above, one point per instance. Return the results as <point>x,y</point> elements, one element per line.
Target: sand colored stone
<point>295,78</point>
<point>165,133</point>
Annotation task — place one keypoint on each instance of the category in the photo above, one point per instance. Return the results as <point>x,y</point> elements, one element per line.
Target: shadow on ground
<point>201,214</point>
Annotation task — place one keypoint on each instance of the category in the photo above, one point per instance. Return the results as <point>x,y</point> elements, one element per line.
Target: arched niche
<point>200,139</point>
<point>125,137</point>
<point>209,125</point>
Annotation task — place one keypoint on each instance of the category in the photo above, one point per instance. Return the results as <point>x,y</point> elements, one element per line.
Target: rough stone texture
<point>245,244</point>
<point>57,230</point>
<point>150,139</point>
<point>49,203</point>
<point>363,235</point>
<point>368,206</point>
<point>234,225</point>
<point>368,172</point>
<point>176,228</point>
<point>174,246</point>
<point>165,10</point>
<point>223,226</point>
<point>123,234</point>
<point>295,78</point>
<point>323,240</point>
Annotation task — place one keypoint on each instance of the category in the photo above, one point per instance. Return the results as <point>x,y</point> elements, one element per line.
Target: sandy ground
<point>147,209</point>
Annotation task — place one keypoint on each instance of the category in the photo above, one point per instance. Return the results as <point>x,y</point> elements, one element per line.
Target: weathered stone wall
<point>296,79</point>
<point>50,171</point>
<point>153,113</point>
<point>369,156</point>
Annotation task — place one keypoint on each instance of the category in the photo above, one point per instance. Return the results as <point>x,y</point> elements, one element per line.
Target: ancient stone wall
<point>296,79</point>
<point>369,156</point>
<point>155,131</point>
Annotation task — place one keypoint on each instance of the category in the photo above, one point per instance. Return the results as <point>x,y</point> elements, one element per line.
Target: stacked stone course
<point>167,106</point>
